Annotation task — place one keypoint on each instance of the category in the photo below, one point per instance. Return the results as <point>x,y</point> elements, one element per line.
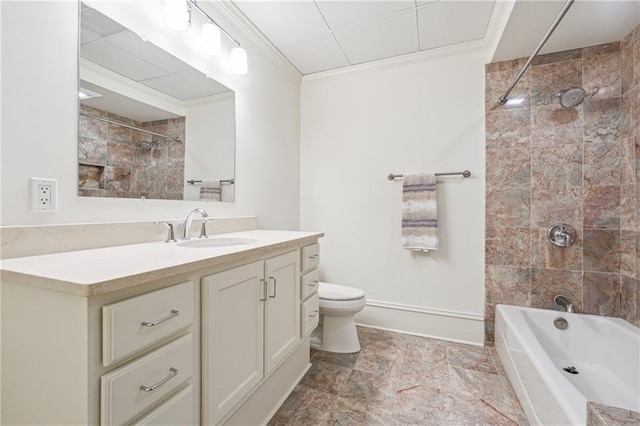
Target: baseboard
<point>447,325</point>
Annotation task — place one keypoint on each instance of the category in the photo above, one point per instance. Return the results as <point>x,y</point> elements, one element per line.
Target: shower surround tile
<point>585,168</point>
<point>601,294</point>
<point>565,55</point>
<point>507,285</point>
<point>601,251</point>
<point>602,76</point>
<point>602,120</point>
<point>550,205</point>
<point>561,166</point>
<point>602,163</point>
<point>508,167</point>
<point>554,125</point>
<point>509,128</point>
<point>511,246</point>
<point>602,207</point>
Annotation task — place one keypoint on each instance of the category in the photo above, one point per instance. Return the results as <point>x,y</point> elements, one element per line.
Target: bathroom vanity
<point>159,333</point>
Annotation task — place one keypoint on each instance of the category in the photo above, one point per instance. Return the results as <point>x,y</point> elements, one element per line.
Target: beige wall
<point>548,164</point>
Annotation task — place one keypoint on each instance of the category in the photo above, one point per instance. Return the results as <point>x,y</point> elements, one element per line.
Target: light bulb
<point>177,15</point>
<point>210,39</point>
<point>238,61</point>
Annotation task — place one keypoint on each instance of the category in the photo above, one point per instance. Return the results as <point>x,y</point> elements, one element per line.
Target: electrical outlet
<point>43,194</point>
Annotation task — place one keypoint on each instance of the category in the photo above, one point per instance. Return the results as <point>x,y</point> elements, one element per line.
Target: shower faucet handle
<point>171,236</point>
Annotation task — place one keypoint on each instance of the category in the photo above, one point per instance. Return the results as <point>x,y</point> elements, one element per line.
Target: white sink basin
<point>217,242</point>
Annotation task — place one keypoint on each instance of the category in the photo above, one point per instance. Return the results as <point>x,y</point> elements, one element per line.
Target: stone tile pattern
<point>112,163</point>
<point>604,415</point>
<point>548,164</point>
<point>398,379</point>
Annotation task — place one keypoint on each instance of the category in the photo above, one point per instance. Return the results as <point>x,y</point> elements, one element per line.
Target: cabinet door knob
<point>275,284</point>
<point>173,313</point>
<point>173,374</point>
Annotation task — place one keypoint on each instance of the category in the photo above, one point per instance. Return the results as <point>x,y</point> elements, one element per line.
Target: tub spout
<point>564,302</point>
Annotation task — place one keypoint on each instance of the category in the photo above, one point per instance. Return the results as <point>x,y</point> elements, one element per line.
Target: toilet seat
<point>328,291</point>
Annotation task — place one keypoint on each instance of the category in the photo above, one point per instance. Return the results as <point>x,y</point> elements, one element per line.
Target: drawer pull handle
<point>174,313</point>
<point>173,374</point>
<point>314,314</point>
<point>313,283</point>
<point>315,256</point>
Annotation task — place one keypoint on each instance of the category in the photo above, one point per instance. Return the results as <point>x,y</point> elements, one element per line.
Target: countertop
<point>98,271</point>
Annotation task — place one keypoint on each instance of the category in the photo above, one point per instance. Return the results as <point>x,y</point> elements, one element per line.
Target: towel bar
<point>464,174</point>
<point>229,181</point>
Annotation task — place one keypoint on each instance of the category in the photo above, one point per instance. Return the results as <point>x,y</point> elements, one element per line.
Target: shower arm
<point>503,99</point>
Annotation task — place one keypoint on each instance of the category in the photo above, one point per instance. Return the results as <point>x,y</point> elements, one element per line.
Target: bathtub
<point>604,351</point>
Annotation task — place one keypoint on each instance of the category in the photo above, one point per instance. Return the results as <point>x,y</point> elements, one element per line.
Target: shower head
<point>572,97</point>
<point>146,146</point>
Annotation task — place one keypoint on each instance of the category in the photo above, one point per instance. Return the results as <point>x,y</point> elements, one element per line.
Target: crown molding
<point>467,47</point>
<point>237,19</point>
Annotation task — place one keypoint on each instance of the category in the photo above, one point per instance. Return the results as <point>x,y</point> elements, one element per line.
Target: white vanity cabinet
<point>155,333</point>
<point>250,324</point>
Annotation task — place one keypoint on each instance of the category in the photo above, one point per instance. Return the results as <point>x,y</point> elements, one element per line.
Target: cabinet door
<point>282,317</point>
<point>232,333</point>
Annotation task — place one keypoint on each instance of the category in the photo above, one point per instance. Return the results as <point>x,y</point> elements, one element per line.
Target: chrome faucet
<point>186,232</point>
<point>566,303</point>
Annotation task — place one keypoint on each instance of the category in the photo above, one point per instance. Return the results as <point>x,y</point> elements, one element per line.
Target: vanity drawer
<point>310,256</point>
<point>161,372</point>
<point>136,323</point>
<point>309,283</point>
<point>177,411</point>
<point>310,315</point>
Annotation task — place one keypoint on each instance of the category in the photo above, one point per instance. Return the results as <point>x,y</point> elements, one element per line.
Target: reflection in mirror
<point>150,125</point>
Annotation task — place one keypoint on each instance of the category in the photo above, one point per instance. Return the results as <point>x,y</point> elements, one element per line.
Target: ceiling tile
<point>342,13</point>
<point>284,21</point>
<point>445,23</point>
<point>147,51</point>
<point>119,61</point>
<point>378,39</point>
<point>314,54</point>
<point>186,85</point>
<point>99,24</point>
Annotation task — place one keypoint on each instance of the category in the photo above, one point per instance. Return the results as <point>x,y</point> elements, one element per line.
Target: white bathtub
<point>605,351</point>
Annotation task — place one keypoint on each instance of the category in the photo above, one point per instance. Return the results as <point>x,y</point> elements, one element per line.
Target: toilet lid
<point>329,291</point>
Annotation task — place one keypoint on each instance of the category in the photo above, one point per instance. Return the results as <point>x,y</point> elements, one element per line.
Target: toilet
<point>336,331</point>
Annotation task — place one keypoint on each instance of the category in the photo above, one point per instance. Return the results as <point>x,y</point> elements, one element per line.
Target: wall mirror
<point>150,125</point>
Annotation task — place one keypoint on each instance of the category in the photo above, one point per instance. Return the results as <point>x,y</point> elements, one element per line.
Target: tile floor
<point>397,379</point>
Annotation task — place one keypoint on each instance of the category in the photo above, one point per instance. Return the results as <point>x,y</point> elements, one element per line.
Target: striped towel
<point>210,190</point>
<point>419,212</point>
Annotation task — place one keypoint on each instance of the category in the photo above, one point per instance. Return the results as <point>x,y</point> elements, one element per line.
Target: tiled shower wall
<point>113,163</point>
<point>548,164</point>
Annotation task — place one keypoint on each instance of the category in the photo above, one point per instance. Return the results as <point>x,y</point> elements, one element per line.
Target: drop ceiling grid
<point>321,35</point>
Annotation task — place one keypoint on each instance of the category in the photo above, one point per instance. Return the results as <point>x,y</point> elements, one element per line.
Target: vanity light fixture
<point>238,61</point>
<point>178,16</point>
<point>210,39</point>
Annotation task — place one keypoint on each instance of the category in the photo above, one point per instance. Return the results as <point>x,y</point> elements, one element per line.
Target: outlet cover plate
<point>44,194</point>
